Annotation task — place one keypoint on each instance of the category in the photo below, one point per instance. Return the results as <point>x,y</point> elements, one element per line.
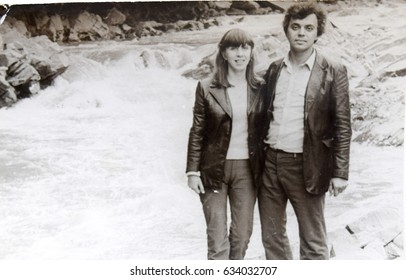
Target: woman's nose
<point>239,50</point>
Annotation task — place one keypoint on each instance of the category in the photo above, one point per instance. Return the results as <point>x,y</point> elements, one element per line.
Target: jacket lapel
<point>253,97</point>
<point>316,81</point>
<point>221,97</point>
<point>271,82</point>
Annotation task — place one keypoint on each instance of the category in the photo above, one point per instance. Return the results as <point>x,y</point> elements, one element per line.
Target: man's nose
<point>301,31</point>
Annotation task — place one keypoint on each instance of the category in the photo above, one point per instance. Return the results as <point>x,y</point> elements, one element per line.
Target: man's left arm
<point>342,130</point>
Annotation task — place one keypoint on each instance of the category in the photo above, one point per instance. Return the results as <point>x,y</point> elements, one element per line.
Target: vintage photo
<point>195,130</point>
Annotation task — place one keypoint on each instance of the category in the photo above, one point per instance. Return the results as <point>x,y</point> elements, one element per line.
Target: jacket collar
<point>220,95</point>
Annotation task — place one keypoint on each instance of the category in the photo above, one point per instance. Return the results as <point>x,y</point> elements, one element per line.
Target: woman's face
<point>238,57</point>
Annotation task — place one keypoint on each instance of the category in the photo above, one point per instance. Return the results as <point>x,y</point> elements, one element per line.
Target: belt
<point>278,151</point>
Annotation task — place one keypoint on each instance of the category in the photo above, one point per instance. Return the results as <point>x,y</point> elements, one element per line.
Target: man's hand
<point>337,186</point>
<point>195,183</point>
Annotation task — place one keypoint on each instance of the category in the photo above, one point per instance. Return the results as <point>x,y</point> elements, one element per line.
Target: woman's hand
<point>195,183</point>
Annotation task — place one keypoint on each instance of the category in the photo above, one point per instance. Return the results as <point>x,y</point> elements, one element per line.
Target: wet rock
<point>7,92</point>
<point>27,65</point>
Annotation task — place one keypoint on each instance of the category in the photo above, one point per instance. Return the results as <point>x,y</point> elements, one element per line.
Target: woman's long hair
<point>234,38</point>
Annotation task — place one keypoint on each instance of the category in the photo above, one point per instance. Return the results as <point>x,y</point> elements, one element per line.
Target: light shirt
<point>238,148</point>
<point>286,130</point>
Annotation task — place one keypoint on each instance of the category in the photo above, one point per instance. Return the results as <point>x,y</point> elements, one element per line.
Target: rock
<point>23,74</point>
<point>236,12</point>
<point>7,92</point>
<point>278,6</point>
<point>382,225</point>
<point>248,6</point>
<point>116,33</point>
<point>56,29</point>
<point>220,5</point>
<point>91,27</point>
<point>396,69</point>
<point>154,58</point>
<point>20,27</point>
<point>27,65</point>
<point>115,17</point>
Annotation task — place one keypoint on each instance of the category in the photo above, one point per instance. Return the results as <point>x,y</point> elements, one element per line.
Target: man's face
<point>302,33</point>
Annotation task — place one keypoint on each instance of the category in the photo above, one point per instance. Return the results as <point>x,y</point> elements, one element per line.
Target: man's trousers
<point>282,182</point>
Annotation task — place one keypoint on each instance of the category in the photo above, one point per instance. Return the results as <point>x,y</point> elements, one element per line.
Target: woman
<point>224,150</point>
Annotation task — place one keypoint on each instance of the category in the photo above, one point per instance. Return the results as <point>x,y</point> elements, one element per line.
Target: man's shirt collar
<point>309,62</point>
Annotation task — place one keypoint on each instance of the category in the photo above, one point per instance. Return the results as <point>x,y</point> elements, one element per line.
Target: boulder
<point>27,64</point>
<point>56,29</point>
<point>248,6</point>
<point>90,27</point>
<point>220,5</point>
<point>115,17</point>
<point>7,92</point>
<point>20,27</point>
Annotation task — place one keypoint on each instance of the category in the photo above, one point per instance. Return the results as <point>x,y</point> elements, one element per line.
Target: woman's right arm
<point>196,138</point>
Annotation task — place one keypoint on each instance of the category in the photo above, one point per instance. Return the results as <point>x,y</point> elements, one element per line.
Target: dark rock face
<point>74,22</point>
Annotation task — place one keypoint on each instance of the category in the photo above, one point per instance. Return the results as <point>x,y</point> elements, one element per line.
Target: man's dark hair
<point>302,10</point>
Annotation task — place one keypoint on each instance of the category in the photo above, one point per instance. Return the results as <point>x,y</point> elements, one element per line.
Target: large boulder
<point>56,29</point>
<point>115,17</point>
<point>90,27</point>
<point>27,64</point>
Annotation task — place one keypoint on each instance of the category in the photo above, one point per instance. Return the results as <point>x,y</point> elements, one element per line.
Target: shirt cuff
<point>193,173</point>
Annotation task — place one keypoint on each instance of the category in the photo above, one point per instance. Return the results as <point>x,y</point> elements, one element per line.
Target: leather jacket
<point>209,137</point>
<point>327,122</point>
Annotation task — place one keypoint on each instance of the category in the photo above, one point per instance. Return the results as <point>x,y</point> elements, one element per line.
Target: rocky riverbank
<point>31,57</point>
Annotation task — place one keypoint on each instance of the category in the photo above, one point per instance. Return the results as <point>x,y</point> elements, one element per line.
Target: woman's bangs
<point>236,38</point>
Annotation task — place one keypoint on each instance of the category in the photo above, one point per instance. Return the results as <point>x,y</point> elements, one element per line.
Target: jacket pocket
<point>328,142</point>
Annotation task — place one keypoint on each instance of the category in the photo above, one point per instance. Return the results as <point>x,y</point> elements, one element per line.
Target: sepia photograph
<point>202,130</point>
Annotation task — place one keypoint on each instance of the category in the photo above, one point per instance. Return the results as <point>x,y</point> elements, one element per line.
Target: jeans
<point>282,182</point>
<point>239,189</point>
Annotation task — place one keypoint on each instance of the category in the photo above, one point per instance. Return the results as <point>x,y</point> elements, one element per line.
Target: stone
<point>115,17</point>
<point>248,6</point>
<point>236,12</point>
<point>56,29</point>
<point>220,5</point>
<point>90,27</point>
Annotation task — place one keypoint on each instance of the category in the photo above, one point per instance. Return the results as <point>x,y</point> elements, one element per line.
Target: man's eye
<point>294,27</point>
<point>310,28</point>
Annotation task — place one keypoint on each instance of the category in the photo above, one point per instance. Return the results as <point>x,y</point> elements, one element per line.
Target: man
<point>308,138</point>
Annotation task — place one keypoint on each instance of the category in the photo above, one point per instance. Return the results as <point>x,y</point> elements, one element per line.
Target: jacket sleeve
<point>196,135</point>
<point>341,122</point>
